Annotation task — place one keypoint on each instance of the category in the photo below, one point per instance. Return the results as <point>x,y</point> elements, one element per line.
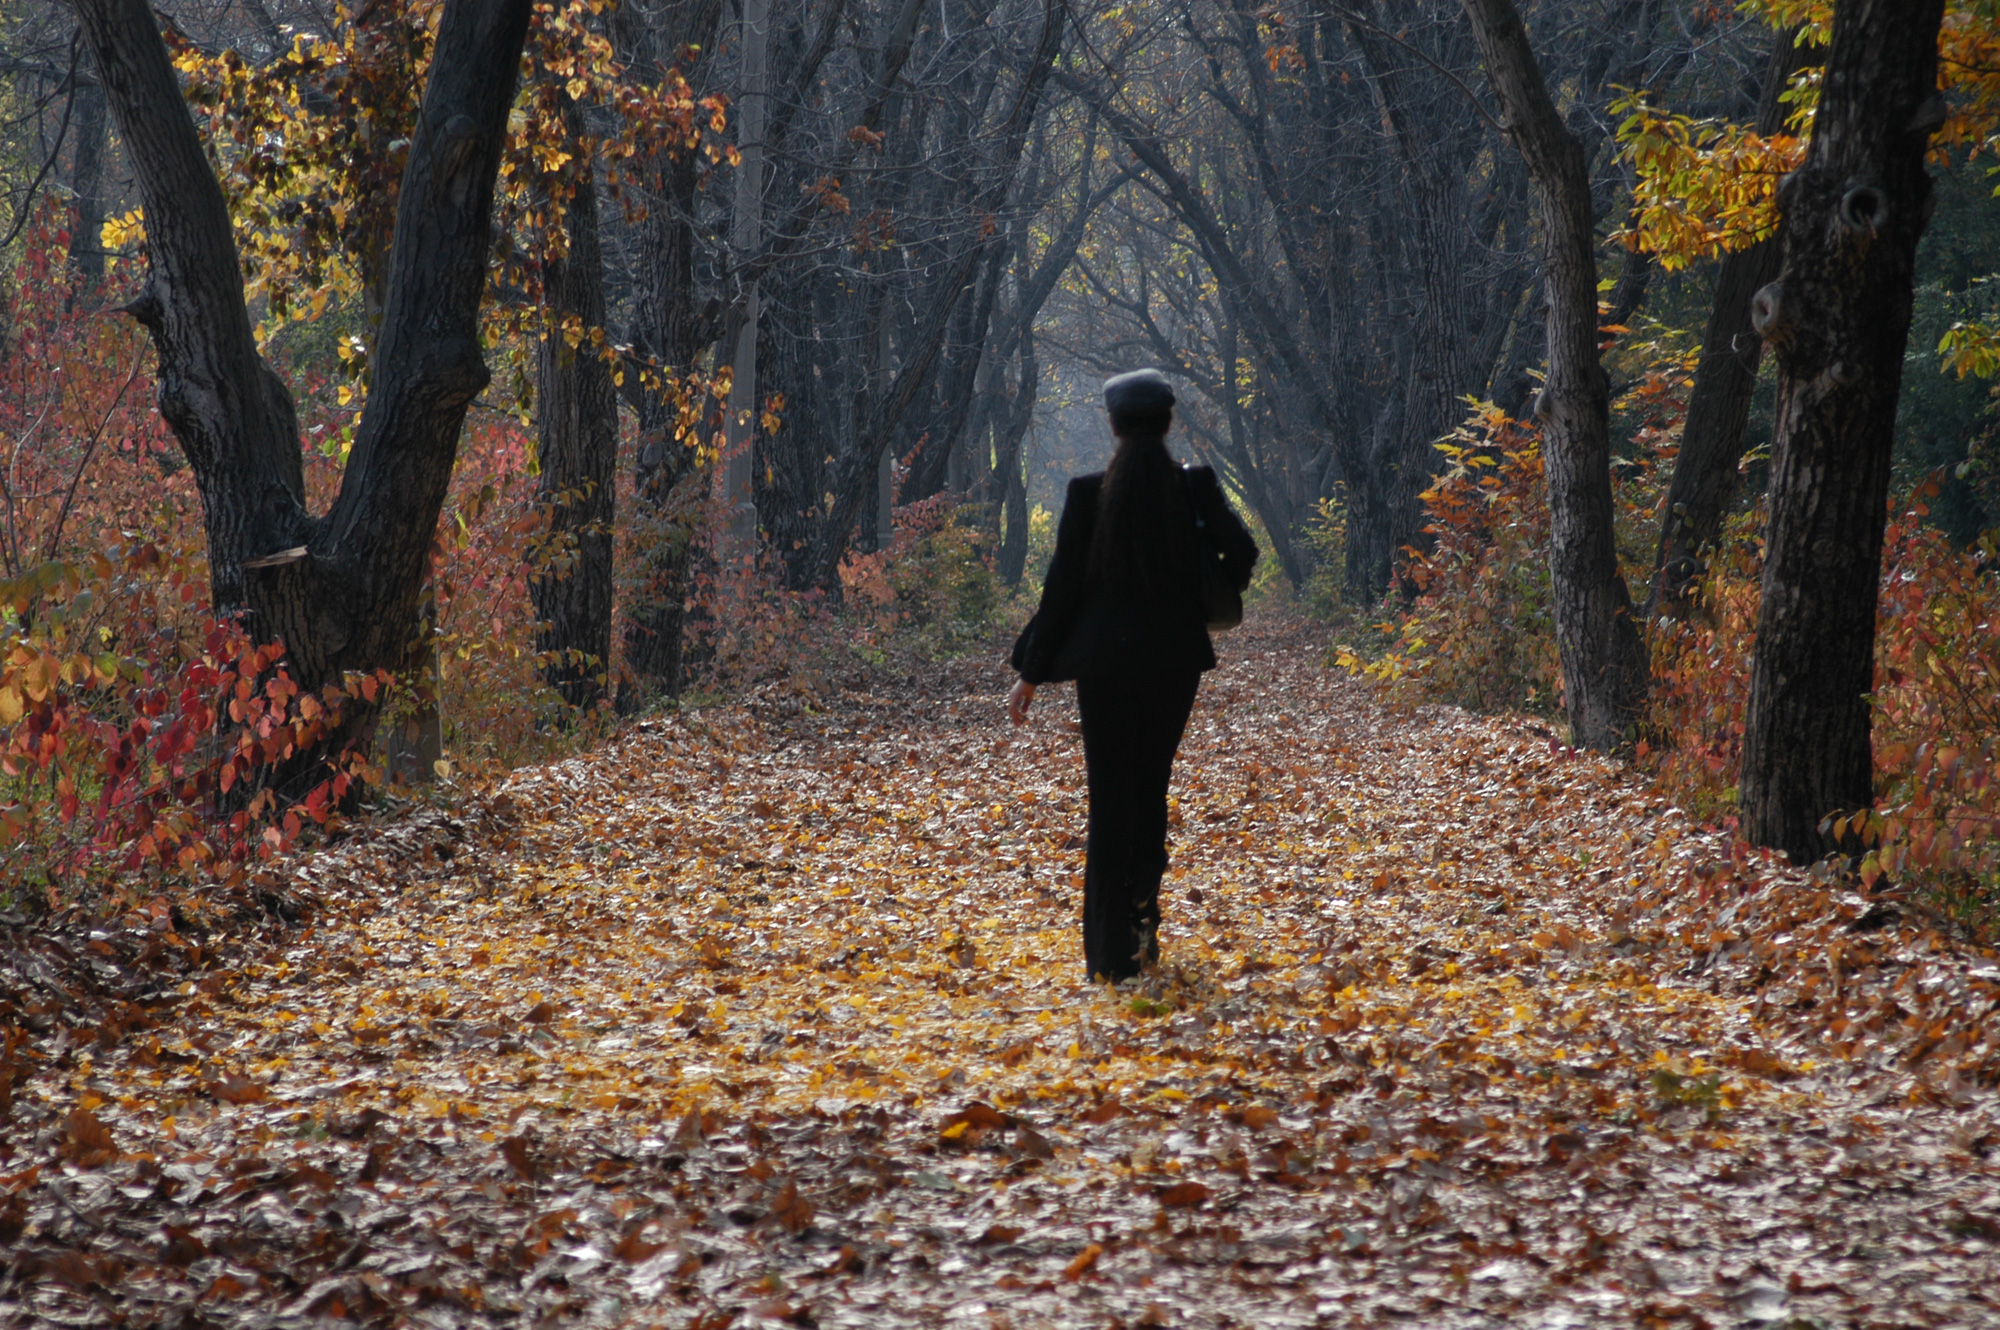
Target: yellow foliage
<point>1706,186</point>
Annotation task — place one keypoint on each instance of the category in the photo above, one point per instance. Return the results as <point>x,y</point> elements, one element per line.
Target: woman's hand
<point>1019,701</point>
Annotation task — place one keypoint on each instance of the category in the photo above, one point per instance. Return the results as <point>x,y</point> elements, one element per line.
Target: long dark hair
<point>1144,534</point>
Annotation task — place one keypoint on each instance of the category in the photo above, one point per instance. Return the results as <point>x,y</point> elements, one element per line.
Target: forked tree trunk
<point>341,591</point>
<point>576,416</point>
<point>1603,659</point>
<point>1837,319</point>
<point>1704,482</point>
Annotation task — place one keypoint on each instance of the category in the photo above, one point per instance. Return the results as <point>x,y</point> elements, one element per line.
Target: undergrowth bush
<point>1480,634</point>
<point>131,722</point>
<point>934,589</point>
<point>1325,541</point>
<point>134,731</point>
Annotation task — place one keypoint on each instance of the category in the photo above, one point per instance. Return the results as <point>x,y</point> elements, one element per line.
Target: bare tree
<point>1603,659</point>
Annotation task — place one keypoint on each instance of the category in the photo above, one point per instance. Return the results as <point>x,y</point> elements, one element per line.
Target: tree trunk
<point>341,592</point>
<point>1837,319</point>
<point>1432,184</point>
<point>1010,490</point>
<point>576,415</point>
<point>737,476</point>
<point>667,332</point>
<point>1704,482</point>
<point>86,232</point>
<point>1603,659</point>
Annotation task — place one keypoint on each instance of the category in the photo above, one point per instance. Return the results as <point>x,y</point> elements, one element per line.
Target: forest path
<point>774,1013</point>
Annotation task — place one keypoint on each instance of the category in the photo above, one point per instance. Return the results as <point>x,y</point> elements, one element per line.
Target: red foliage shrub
<point>1479,634</point>
<point>127,726</point>
<point>135,730</point>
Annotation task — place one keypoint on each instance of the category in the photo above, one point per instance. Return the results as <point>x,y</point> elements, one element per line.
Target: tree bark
<point>1009,486</point>
<point>737,475</point>
<point>342,591</point>
<point>1704,482</point>
<point>576,416</point>
<point>1836,320</point>
<point>86,232</point>
<point>1603,659</point>
<point>668,332</point>
<point>1433,181</point>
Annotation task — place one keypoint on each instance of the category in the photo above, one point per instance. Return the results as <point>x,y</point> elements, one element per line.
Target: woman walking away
<point>1122,613</point>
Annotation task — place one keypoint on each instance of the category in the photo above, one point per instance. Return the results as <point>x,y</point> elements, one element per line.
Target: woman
<point>1122,614</point>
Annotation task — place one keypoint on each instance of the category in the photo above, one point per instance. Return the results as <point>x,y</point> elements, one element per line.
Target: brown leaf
<point>633,1247</point>
<point>1014,1053</point>
<point>689,1135</point>
<point>317,1178</point>
<point>13,1219</point>
<point>541,1013</point>
<point>377,1160</point>
<point>182,1247</point>
<point>792,1211</point>
<point>1183,1194</point>
<point>225,1286</point>
<point>1032,1143</point>
<point>977,1114</point>
<point>999,1233</point>
<point>87,1142</point>
<point>515,1148</point>
<point>235,1089</point>
<point>80,1271</point>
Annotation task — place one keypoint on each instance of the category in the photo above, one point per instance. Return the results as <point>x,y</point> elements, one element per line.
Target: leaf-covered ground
<point>774,1014</point>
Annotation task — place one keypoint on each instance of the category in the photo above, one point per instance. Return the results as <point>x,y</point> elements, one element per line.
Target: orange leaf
<point>1085,1259</point>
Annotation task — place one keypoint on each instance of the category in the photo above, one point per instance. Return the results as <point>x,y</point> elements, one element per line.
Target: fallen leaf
<point>234,1089</point>
<point>792,1211</point>
<point>515,1150</point>
<point>633,1247</point>
<point>86,1141</point>
<point>1032,1143</point>
<point>1083,1262</point>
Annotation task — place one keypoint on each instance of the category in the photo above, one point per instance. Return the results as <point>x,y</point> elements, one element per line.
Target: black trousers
<point>1132,723</point>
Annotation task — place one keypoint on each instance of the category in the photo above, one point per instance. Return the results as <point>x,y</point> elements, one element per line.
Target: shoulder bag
<point>1221,602</point>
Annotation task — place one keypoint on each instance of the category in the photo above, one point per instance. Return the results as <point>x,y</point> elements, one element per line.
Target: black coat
<point>1084,628</point>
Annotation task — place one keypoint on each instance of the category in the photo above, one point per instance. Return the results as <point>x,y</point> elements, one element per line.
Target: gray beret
<point>1139,390</point>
